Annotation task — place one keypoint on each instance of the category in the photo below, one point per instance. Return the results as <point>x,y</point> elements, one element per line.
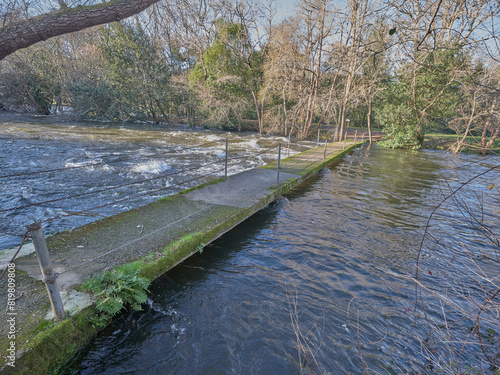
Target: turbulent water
<point>322,281</point>
<point>93,157</point>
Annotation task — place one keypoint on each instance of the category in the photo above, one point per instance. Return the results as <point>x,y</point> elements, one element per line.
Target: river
<point>324,277</point>
<point>320,282</point>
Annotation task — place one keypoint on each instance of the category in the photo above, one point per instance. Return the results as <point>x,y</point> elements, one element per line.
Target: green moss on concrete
<point>187,245</point>
<point>330,159</point>
<point>202,185</point>
<point>63,240</point>
<point>292,158</point>
<point>288,164</point>
<point>31,306</point>
<point>56,344</point>
<point>160,262</point>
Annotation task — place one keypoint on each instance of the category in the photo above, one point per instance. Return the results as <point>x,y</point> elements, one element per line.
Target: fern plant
<point>117,289</point>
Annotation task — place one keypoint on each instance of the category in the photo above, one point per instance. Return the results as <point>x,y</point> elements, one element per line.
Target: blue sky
<point>285,8</point>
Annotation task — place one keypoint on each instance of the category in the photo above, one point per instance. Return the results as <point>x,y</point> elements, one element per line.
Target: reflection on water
<point>337,254</point>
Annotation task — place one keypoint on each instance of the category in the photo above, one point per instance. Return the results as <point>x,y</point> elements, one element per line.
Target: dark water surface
<point>330,266</point>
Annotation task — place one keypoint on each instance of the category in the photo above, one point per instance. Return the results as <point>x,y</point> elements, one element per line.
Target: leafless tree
<point>478,124</point>
<point>427,28</point>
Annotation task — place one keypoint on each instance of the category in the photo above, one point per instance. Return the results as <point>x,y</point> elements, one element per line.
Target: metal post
<point>355,136</point>
<point>345,136</point>
<point>363,138</point>
<point>225,162</point>
<point>279,161</point>
<point>324,153</point>
<point>48,275</point>
<point>317,142</point>
<point>335,139</point>
<point>288,150</point>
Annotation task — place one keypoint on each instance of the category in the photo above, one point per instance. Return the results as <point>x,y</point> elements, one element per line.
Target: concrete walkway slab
<point>241,190</point>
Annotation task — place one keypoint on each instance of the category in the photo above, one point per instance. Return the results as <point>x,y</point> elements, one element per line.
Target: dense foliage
<point>408,69</point>
<point>116,290</point>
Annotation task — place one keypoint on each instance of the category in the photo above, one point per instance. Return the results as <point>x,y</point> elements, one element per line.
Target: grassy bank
<point>447,142</point>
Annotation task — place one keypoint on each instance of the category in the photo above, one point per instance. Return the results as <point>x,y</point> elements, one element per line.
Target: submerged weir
<point>206,213</point>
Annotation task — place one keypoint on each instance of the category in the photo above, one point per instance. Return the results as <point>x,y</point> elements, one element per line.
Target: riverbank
<point>68,120</point>
<point>160,235</point>
<point>326,132</point>
<point>447,142</point>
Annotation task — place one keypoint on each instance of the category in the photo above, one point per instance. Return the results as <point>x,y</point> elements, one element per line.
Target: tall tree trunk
<point>284,111</point>
<point>342,123</point>
<point>456,149</point>
<point>153,112</point>
<point>257,110</point>
<point>193,115</point>
<point>345,101</point>
<point>483,138</point>
<point>493,135</point>
<point>165,116</point>
<point>311,105</point>
<point>188,113</point>
<point>328,104</point>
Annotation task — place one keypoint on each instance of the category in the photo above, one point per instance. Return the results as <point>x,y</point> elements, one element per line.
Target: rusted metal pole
<point>324,153</point>
<point>279,161</point>
<point>225,162</point>
<point>49,277</point>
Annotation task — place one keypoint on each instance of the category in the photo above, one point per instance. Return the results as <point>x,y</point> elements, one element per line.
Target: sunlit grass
<point>436,141</point>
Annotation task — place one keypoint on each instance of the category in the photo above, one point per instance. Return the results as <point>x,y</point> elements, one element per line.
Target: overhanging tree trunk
<point>369,118</point>
<point>25,33</point>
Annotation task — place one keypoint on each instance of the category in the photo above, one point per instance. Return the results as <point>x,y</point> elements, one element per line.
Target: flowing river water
<point>320,282</point>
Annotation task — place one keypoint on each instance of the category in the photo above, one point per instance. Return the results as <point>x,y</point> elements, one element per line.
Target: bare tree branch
<point>429,28</point>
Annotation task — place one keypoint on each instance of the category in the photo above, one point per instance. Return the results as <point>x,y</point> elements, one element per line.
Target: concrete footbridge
<point>160,235</point>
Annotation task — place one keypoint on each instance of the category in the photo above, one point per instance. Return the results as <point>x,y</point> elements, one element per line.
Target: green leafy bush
<point>117,289</point>
<point>400,128</point>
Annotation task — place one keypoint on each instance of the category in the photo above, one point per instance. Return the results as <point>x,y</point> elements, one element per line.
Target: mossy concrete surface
<point>161,235</point>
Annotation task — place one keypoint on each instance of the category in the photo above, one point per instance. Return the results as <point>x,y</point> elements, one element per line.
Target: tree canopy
<point>408,68</point>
